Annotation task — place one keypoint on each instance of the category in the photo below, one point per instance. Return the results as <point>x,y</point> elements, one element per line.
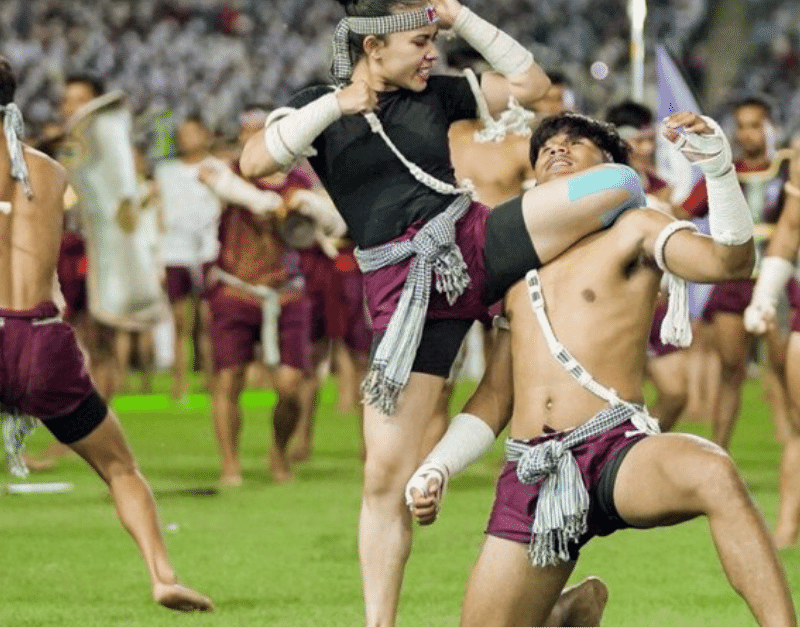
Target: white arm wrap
<point>504,53</point>
<point>466,440</point>
<point>288,137</point>
<point>729,216</point>
<point>773,275</point>
<point>234,189</point>
<point>322,210</point>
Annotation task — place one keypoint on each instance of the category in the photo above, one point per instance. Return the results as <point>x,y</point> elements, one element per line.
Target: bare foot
<point>300,452</point>
<point>279,467</point>
<point>230,480</point>
<point>181,598</point>
<point>581,605</point>
<point>37,465</point>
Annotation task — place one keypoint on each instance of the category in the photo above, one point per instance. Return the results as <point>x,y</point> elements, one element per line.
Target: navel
<point>589,295</point>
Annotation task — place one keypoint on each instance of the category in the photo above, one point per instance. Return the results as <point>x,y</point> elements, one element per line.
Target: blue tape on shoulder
<point>611,177</point>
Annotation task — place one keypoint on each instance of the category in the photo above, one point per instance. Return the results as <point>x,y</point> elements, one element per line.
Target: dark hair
<point>95,83</point>
<point>630,113</point>
<point>194,117</point>
<point>755,101</point>
<point>559,78</point>
<point>575,125</point>
<point>371,8</point>
<point>8,84</point>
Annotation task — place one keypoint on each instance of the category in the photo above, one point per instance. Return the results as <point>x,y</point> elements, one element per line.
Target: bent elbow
<point>741,261</point>
<point>530,87</point>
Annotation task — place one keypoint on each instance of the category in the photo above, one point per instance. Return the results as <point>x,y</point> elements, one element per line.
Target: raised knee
<point>719,483</point>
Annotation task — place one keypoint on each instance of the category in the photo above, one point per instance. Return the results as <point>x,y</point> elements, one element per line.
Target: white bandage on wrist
<point>773,275</point>
<point>730,221</point>
<point>466,439</point>
<point>289,132</point>
<point>321,210</point>
<point>711,152</point>
<point>234,189</point>
<point>504,53</point>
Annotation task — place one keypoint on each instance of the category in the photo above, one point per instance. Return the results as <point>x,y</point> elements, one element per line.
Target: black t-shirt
<point>372,189</point>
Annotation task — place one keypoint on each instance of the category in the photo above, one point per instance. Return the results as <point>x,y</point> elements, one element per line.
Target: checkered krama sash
<point>382,25</point>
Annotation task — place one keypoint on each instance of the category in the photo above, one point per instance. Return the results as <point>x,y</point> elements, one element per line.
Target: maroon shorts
<point>236,328</point>
<point>43,373</point>
<point>185,280</point>
<point>655,346</point>
<point>384,286</point>
<point>336,290</point>
<point>732,297</point>
<point>71,270</point>
<point>515,502</point>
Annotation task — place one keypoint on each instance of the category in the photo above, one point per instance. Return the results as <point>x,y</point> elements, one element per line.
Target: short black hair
<point>630,113</point>
<point>575,125</point>
<point>93,82</point>
<point>755,101</point>
<point>559,78</point>
<point>8,83</point>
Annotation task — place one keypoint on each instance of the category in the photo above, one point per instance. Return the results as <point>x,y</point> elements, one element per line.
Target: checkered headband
<point>383,25</point>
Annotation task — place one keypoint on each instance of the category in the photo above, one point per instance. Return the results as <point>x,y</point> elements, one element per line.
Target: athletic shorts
<point>732,297</point>
<point>599,461</point>
<point>336,290</point>
<point>236,328</point>
<point>497,251</point>
<point>183,281</point>
<point>43,373</point>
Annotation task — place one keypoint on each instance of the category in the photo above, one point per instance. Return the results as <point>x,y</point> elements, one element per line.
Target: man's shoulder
<point>44,171</point>
<point>37,159</point>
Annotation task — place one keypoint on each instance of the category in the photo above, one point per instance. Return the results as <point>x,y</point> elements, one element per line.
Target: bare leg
<point>556,221</point>
<point>228,422</point>
<point>580,605</point>
<point>504,589</point>
<point>147,359</point>
<point>786,531</point>
<point>308,394</point>
<point>122,348</point>
<point>670,478</point>
<point>703,374</point>
<point>394,450</point>
<point>284,420</point>
<point>204,342</point>
<point>349,376</point>
<point>775,383</point>
<point>732,344</point>
<point>181,316</point>
<point>669,375</point>
<point>107,452</point>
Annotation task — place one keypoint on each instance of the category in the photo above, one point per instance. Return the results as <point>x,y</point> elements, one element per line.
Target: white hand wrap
<point>288,137</point>
<point>466,439</point>
<point>234,189</point>
<point>321,210</point>
<point>773,275</point>
<point>504,53</point>
<point>711,152</point>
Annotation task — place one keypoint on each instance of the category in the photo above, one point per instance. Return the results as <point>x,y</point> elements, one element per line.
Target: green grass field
<point>286,555</point>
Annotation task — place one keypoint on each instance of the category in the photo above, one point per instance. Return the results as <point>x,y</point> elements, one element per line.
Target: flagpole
<point>637,11</point>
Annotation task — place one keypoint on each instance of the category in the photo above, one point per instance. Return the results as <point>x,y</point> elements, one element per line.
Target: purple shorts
<point>43,373</point>
<point>185,280</point>
<point>655,346</point>
<point>383,286</point>
<point>732,297</point>
<point>515,502</point>
<point>236,328</point>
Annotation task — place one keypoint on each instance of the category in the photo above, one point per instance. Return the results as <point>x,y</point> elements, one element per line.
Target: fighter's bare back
<point>31,231</point>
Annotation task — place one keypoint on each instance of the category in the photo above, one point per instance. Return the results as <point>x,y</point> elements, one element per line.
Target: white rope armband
<point>290,132</point>
<point>504,53</point>
<point>676,328</point>
<point>233,189</point>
